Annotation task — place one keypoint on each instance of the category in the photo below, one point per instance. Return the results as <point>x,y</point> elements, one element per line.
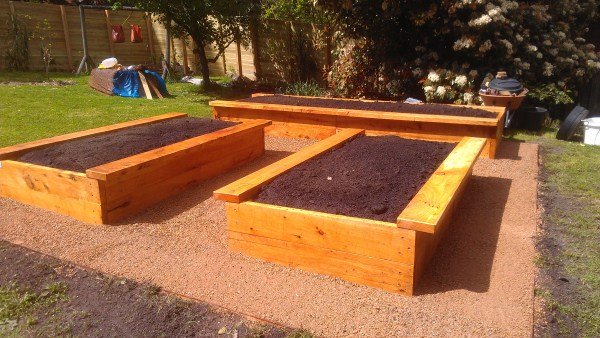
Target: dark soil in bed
<point>89,152</point>
<point>372,177</point>
<point>385,106</point>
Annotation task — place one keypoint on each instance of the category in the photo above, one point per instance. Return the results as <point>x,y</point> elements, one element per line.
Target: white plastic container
<point>591,131</point>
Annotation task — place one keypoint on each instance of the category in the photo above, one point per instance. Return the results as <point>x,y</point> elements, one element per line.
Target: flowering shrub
<point>538,42</point>
<point>445,86</point>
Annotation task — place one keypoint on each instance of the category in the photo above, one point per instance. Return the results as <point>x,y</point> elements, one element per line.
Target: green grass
<point>18,307</point>
<point>571,177</point>
<point>30,112</point>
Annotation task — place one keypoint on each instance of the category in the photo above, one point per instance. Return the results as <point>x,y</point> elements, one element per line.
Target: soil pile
<point>89,152</point>
<point>372,177</point>
<point>385,106</point>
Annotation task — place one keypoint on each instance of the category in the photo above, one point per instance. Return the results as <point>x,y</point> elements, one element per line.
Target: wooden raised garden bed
<point>321,119</point>
<point>110,191</point>
<point>387,255</point>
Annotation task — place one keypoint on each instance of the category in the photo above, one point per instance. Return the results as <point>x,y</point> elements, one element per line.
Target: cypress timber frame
<point>390,256</point>
<point>320,123</point>
<point>112,191</point>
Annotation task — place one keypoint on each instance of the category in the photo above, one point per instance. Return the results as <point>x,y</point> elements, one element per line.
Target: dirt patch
<point>89,152</point>
<point>101,305</point>
<point>371,177</point>
<point>385,106</point>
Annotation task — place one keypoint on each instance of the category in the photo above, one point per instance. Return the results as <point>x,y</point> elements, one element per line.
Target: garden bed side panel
<point>285,123</point>
<point>430,211</point>
<point>320,123</point>
<point>358,250</point>
<point>66,192</point>
<point>137,182</point>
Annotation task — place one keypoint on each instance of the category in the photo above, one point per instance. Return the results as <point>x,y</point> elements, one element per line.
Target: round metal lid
<point>506,84</point>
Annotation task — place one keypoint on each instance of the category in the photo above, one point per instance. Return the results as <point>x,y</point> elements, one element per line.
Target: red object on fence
<point>136,33</point>
<point>117,34</point>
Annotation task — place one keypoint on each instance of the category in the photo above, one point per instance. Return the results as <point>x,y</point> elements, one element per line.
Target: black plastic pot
<point>533,118</point>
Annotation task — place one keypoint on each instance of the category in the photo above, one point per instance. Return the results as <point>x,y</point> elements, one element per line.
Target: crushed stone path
<point>480,283</point>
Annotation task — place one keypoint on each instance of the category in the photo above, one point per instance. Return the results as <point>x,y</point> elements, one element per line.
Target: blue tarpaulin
<point>126,83</point>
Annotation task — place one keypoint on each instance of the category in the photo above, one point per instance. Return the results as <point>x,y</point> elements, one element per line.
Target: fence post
<point>239,57</point>
<point>109,33</point>
<point>255,48</point>
<point>185,57</point>
<point>150,37</point>
<point>65,25</point>
<point>288,28</point>
<point>328,38</point>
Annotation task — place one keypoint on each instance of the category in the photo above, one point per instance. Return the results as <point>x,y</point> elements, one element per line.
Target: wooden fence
<point>276,51</point>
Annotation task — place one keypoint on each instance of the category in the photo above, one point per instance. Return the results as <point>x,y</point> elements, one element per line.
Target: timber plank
<point>15,151</point>
<point>200,157</point>
<point>388,275</point>
<point>144,162</point>
<point>145,85</point>
<point>26,176</point>
<point>493,109</point>
<point>349,234</point>
<point>127,198</point>
<point>433,203</point>
<point>246,187</point>
<point>391,116</point>
<point>319,123</point>
<point>86,211</point>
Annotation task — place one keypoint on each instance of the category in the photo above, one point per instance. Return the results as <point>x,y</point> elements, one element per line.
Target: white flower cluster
<point>460,80</point>
<point>433,77</point>
<point>463,43</point>
<point>443,85</point>
<point>480,21</point>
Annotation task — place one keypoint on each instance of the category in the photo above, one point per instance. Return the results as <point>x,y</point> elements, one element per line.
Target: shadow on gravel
<point>97,305</point>
<point>202,191</point>
<point>509,150</point>
<point>465,256</point>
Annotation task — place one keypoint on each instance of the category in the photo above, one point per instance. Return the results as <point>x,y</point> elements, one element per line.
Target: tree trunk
<point>203,62</point>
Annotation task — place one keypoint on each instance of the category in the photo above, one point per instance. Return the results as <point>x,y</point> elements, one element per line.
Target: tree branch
<point>221,51</point>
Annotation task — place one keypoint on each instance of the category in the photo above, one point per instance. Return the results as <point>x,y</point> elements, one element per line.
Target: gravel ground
<point>480,282</point>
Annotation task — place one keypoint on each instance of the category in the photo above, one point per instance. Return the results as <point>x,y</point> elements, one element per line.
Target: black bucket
<point>533,118</point>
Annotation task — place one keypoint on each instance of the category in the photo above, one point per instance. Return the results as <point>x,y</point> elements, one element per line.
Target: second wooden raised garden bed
<point>111,191</point>
<point>321,120</point>
<point>388,255</point>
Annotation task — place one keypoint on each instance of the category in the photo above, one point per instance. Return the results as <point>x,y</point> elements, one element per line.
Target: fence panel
<point>285,51</point>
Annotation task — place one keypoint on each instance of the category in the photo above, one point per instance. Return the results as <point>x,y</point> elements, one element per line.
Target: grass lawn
<point>31,112</point>
<point>569,243</point>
